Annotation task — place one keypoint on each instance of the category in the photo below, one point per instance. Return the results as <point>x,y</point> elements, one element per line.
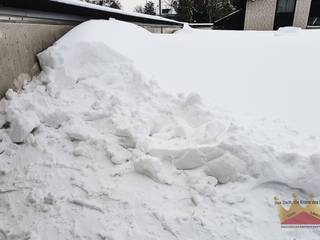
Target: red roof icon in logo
<point>302,218</point>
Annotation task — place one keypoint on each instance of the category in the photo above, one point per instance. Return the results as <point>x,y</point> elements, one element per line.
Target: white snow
<point>104,153</point>
<point>21,124</point>
<point>190,159</point>
<point>225,168</point>
<point>262,73</point>
<point>151,167</point>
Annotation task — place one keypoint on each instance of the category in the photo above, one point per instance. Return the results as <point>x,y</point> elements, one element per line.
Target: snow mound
<point>186,29</point>
<point>284,31</point>
<point>79,142</point>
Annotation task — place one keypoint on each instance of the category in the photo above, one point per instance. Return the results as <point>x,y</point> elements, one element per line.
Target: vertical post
<point>160,13</point>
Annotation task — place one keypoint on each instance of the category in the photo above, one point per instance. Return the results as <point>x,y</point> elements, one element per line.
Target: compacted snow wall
<point>94,149</point>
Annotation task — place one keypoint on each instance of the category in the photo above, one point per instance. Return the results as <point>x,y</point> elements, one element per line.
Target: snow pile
<point>255,72</point>
<point>93,149</point>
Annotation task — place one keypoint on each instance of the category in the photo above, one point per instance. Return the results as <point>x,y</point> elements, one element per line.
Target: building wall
<point>260,14</point>
<point>302,13</point>
<point>19,44</point>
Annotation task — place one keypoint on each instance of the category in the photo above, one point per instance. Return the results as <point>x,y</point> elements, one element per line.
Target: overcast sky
<point>131,4</point>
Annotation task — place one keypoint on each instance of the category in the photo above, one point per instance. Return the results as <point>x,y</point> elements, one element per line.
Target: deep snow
<point>264,73</point>
<point>92,148</point>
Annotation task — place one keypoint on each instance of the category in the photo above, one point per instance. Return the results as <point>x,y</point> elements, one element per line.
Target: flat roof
<point>82,11</point>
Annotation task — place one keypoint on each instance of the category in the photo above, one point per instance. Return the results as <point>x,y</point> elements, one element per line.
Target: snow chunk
<point>151,167</point>
<point>225,168</point>
<point>287,31</point>
<point>126,138</point>
<point>209,132</point>
<point>203,185</point>
<point>93,59</point>
<point>186,29</point>
<point>191,159</point>
<point>10,94</point>
<point>56,119</point>
<point>118,154</point>
<point>212,152</point>
<point>79,131</point>
<point>21,125</point>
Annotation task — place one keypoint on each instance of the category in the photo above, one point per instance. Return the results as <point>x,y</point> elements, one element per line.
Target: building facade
<point>272,14</point>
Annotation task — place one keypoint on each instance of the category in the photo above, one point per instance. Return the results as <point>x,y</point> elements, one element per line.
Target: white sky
<point>130,5</point>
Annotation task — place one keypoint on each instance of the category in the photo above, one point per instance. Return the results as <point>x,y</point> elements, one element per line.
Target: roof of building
<point>85,10</point>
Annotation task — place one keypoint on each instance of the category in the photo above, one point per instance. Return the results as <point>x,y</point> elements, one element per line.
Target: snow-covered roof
<point>116,11</point>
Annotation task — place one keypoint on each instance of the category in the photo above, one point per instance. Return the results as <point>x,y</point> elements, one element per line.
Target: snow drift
<point>93,149</point>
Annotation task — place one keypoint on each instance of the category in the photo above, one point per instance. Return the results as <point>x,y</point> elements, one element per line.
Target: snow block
<point>191,159</point>
<point>126,138</point>
<point>224,169</point>
<point>151,167</point>
<point>21,125</point>
<point>283,31</point>
<point>56,119</point>
<point>211,152</point>
<point>79,133</point>
<point>204,185</point>
<point>211,132</point>
<point>118,154</point>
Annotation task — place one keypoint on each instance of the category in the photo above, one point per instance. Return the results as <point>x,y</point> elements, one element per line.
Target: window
<point>314,17</point>
<point>284,13</point>
<point>286,6</point>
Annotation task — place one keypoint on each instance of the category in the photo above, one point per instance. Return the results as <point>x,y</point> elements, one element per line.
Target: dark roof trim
<point>82,12</point>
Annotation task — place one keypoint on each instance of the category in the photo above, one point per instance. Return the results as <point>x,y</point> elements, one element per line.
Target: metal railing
<point>227,16</point>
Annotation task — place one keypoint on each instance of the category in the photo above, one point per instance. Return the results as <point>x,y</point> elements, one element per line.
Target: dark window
<point>286,6</point>
<point>233,20</point>
<point>284,13</point>
<point>314,17</point>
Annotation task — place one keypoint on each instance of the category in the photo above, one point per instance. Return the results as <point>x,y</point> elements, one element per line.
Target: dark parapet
<point>86,13</point>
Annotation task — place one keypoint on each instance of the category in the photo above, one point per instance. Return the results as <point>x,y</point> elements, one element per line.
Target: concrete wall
<point>260,14</point>
<point>19,44</point>
<point>302,13</point>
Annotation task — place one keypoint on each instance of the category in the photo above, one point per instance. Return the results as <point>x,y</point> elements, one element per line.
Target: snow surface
<point>264,73</point>
<point>105,153</point>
